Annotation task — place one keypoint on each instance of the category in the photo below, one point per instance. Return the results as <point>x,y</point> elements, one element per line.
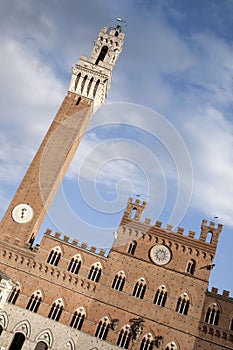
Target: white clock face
<point>22,213</point>
<point>160,254</point>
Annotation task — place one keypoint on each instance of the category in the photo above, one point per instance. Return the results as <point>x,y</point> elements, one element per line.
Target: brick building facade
<point>150,291</point>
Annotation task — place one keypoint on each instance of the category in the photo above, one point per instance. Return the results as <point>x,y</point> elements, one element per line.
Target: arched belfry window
<point>133,213</point>
<point>75,264</point>
<point>171,346</point>
<point>34,301</point>
<point>54,256</point>
<point>139,288</point>
<point>78,318</point>
<point>209,237</point>
<point>124,337</point>
<point>191,266</point>
<point>119,281</point>
<point>14,295</point>
<point>132,247</point>
<point>83,83</point>
<point>102,54</point>
<point>77,81</point>
<point>89,85</point>
<point>1,329</point>
<point>161,296</point>
<point>102,328</point>
<point>17,342</point>
<point>96,87</point>
<point>56,310</point>
<point>95,272</point>
<point>212,314</point>
<point>182,305</point>
<point>41,346</point>
<point>147,342</point>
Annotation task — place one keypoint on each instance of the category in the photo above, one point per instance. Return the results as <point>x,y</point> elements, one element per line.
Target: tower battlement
<point>209,233</point>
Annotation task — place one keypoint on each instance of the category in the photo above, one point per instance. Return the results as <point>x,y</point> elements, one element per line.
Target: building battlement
<point>209,232</point>
<point>74,242</point>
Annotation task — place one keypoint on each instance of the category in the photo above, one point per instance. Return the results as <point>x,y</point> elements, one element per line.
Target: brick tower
<point>90,81</point>
<point>149,292</point>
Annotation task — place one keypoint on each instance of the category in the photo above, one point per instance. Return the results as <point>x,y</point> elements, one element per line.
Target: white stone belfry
<point>91,77</point>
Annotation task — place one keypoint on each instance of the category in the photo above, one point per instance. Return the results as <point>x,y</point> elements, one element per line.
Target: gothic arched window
<point>124,337</point>
<point>212,314</point>
<point>54,256</point>
<point>75,264</point>
<point>96,87</point>
<point>17,342</point>
<point>119,281</point>
<point>13,295</point>
<point>139,288</point>
<point>41,346</point>
<point>1,329</point>
<point>83,83</point>
<point>89,85</point>
<point>147,342</point>
<point>95,272</point>
<point>161,296</point>
<point>56,310</point>
<point>171,346</point>
<point>102,54</point>
<point>78,318</point>
<point>191,266</point>
<point>102,328</point>
<point>132,247</point>
<point>77,81</point>
<point>182,305</point>
<point>34,301</point>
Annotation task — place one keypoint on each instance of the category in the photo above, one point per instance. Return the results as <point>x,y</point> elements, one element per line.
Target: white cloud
<point>211,142</point>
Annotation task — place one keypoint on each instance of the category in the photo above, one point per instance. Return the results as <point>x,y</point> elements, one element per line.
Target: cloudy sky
<point>165,132</point>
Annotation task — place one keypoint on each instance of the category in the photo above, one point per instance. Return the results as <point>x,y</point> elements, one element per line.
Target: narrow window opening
<point>132,247</point>
<point>102,330</point>
<point>182,305</point>
<point>118,282</point>
<point>124,338</point>
<point>89,85</point>
<point>17,342</point>
<point>212,315</point>
<point>55,311</point>
<point>191,267</point>
<point>83,83</point>
<point>78,101</point>
<point>13,296</point>
<point>96,87</point>
<point>77,320</point>
<point>41,346</point>
<point>77,81</point>
<point>102,54</point>
<point>209,237</point>
<point>95,273</point>
<point>133,213</point>
<point>74,265</point>
<point>160,297</point>
<point>139,290</point>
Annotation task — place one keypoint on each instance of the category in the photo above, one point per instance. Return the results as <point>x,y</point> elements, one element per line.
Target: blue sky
<point>171,97</point>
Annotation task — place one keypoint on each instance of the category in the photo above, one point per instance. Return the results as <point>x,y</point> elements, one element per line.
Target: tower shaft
<point>89,84</point>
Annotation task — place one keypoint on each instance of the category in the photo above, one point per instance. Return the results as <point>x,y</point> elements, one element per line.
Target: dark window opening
<point>17,341</point>
<point>102,54</point>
